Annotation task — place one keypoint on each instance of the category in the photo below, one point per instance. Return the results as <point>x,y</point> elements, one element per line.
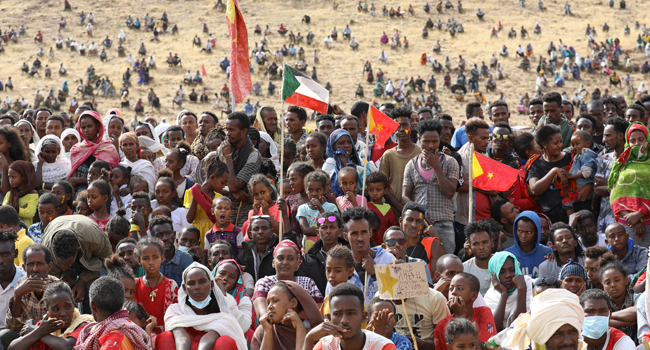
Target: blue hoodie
<point>529,262</point>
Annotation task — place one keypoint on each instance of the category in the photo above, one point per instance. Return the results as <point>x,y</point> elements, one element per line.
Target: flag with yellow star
<point>380,125</point>
<point>491,175</point>
<point>240,76</point>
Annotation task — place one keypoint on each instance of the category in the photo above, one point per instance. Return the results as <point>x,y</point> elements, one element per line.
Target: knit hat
<point>573,268</point>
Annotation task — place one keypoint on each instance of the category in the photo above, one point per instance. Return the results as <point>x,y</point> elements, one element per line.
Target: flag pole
<point>471,195</point>
<point>365,159</point>
<point>281,187</point>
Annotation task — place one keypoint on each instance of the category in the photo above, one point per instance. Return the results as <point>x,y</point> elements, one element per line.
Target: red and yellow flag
<point>240,76</point>
<point>491,175</point>
<point>380,125</point>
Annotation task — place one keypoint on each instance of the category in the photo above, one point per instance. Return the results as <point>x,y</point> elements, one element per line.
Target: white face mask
<point>183,248</point>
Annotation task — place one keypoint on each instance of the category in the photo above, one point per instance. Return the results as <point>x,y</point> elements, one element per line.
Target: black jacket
<point>313,264</point>
<point>247,262</point>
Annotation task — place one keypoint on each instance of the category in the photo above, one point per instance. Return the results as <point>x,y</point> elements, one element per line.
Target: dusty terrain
<point>340,66</point>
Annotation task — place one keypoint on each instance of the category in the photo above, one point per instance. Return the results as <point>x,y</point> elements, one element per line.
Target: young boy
<point>463,291</point>
<point>345,331</point>
<point>377,189</point>
<point>47,211</point>
<point>632,256</point>
<point>223,228</point>
<point>382,320</point>
<point>141,208</point>
<point>339,268</point>
<point>221,250</point>
<point>188,241</point>
<point>583,169</point>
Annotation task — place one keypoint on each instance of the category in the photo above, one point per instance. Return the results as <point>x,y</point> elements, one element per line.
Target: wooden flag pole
<point>281,159</point>
<point>471,195</point>
<point>364,162</point>
<point>408,322</point>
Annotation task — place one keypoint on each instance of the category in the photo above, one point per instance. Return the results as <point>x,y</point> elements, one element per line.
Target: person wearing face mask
<point>595,329</point>
<point>202,315</point>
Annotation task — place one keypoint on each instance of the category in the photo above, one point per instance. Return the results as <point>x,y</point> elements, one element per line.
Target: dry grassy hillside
<point>341,66</point>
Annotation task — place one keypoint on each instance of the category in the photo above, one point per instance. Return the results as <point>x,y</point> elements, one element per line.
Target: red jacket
<point>518,195</point>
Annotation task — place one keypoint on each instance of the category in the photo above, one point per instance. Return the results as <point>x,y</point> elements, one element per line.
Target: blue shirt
<point>248,109</point>
<point>35,232</point>
<point>173,269</point>
<point>460,137</point>
<point>401,342</point>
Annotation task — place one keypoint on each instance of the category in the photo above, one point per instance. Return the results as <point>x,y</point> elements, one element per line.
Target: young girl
<point>315,145</point>
<point>22,195</point>
<point>349,183</point>
<point>302,151</point>
<point>117,268</point>
<point>298,197</point>
<point>81,204</point>
<point>461,335</point>
<point>96,169</point>
<point>120,177</point>
<point>65,195</point>
<point>229,273</point>
<point>167,195</point>
<point>199,198</point>
<point>117,228</point>
<point>146,154</point>
<point>308,212</point>
<point>138,184</point>
<point>286,189</point>
<point>69,138</point>
<point>175,161</point>
<point>99,193</point>
<point>290,151</point>
<point>264,203</point>
<point>139,316</point>
<point>339,268</point>
<point>51,165</point>
<point>47,205</point>
<point>154,291</point>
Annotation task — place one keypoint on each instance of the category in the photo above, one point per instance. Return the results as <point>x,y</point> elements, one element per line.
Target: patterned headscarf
<point>334,154</point>
<point>287,243</point>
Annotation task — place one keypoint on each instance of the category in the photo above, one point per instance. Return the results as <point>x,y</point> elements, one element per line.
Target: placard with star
<point>402,281</point>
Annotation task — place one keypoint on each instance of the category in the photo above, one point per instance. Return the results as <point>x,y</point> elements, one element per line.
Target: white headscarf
<point>154,145</point>
<point>180,115</point>
<point>180,315</point>
<point>65,133</point>
<point>162,127</point>
<point>60,168</point>
<point>272,148</point>
<point>549,311</point>
<point>35,138</point>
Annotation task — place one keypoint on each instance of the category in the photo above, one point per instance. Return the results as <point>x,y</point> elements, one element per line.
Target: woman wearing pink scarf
<point>92,147</point>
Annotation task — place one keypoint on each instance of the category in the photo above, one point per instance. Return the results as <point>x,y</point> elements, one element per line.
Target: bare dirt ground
<point>340,66</point>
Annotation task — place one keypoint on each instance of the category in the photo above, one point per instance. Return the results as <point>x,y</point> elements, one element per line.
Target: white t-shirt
<point>483,275</point>
<point>601,242</point>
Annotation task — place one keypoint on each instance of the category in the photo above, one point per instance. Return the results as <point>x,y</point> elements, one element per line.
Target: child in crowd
<point>308,212</point>
<point>22,195</point>
<point>117,228</point>
<point>290,152</point>
<point>460,334</point>
<point>583,168</point>
<point>223,229</point>
<point>301,149</point>
<point>175,161</point>
<point>316,146</point>
<point>81,203</point>
<point>229,273</point>
<point>120,177</point>
<point>632,256</point>
<point>463,291</point>
<point>154,291</point>
<point>139,184</point>
<point>146,154</point>
<point>97,168</point>
<point>167,195</point>
<point>339,268</point>
<point>99,193</point>
<point>264,203</point>
<point>286,188</point>
<point>139,316</point>
<point>118,269</point>
<point>296,176</point>
<point>198,199</point>
<point>214,139</point>
<point>141,214</point>
<point>377,189</point>
<point>47,205</point>
<point>161,210</point>
<point>382,321</point>
<point>65,195</point>
<point>222,250</point>
<point>349,182</point>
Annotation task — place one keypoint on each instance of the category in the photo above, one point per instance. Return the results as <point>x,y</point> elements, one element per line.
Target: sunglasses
<point>260,217</point>
<point>330,219</point>
<point>500,136</point>
<point>391,242</point>
<point>545,281</point>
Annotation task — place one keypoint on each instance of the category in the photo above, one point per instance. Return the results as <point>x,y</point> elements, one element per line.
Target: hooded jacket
<point>529,262</point>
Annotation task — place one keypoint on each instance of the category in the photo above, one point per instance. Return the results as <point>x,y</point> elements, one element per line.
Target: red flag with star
<point>240,76</point>
<point>380,125</point>
<point>491,175</point>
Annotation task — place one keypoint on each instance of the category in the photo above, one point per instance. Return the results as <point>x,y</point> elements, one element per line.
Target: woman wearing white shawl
<point>57,170</point>
<point>132,159</point>
<point>273,149</point>
<point>113,134</point>
<point>151,140</point>
<point>162,127</point>
<point>190,321</point>
<point>493,296</point>
<point>67,144</point>
<point>34,139</point>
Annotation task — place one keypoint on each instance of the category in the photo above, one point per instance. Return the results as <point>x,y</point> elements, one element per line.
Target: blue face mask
<point>595,326</point>
<point>200,304</point>
<point>183,248</point>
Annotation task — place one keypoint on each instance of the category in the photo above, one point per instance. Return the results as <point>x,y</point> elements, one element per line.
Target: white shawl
<point>145,169</point>
<point>60,168</point>
<point>492,298</point>
<point>154,145</point>
<point>65,133</point>
<point>180,315</point>
<point>272,148</point>
<point>35,138</point>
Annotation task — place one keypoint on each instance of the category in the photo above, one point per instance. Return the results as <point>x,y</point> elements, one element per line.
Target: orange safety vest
<point>427,242</point>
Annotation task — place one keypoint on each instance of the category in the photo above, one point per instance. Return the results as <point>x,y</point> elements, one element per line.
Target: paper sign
<point>402,281</point>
